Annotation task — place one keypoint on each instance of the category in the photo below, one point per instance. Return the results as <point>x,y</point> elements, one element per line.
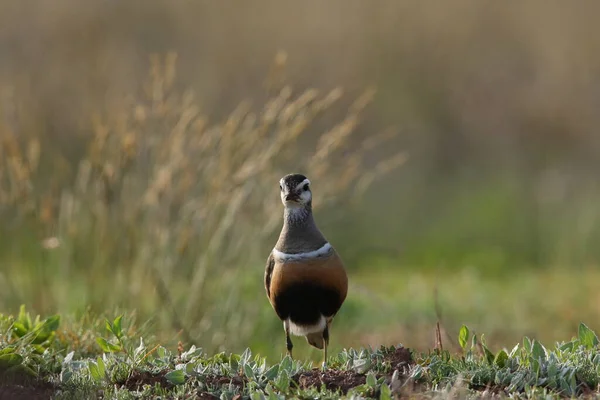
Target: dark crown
<point>293,180</point>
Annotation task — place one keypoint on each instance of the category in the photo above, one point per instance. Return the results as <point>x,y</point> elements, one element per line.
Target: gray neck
<point>300,233</point>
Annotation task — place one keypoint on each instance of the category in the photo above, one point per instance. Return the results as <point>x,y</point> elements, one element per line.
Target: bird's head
<point>295,191</point>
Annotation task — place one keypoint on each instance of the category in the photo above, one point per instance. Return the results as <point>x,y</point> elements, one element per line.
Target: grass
<point>39,359</point>
<point>388,305</point>
<point>406,305</point>
<point>164,210</point>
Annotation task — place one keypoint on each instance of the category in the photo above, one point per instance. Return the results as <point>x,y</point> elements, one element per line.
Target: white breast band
<point>324,250</point>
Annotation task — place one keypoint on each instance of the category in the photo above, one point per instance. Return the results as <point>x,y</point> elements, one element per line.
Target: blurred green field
<point>453,151</point>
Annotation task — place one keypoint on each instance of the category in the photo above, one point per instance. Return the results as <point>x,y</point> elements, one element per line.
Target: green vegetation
<point>453,153</point>
<point>39,358</point>
<point>165,217</point>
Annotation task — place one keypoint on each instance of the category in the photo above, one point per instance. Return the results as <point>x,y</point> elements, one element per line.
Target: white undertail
<point>303,330</point>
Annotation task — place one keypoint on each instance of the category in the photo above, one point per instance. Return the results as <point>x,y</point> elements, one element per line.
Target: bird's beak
<point>291,197</point>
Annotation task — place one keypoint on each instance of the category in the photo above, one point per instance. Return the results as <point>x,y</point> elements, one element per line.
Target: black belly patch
<point>304,303</point>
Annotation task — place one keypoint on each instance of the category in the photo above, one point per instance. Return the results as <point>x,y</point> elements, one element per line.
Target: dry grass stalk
<point>161,192</point>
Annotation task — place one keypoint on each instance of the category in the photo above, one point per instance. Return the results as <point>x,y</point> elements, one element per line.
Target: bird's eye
<point>305,188</point>
<point>280,187</point>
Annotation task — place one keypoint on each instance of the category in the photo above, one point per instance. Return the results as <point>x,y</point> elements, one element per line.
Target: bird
<point>305,278</point>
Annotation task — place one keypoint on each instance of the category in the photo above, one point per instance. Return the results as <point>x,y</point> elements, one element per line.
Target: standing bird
<point>305,278</point>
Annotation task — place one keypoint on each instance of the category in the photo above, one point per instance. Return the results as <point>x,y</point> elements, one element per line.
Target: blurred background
<point>453,150</point>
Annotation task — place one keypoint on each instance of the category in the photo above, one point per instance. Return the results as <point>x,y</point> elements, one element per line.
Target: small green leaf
<point>190,368</point>
<point>176,377</point>
<point>42,334</point>
<point>586,336</point>
<point>257,396</point>
<point>106,346</point>
<point>371,380</point>
<point>271,373</point>
<point>161,352</point>
<point>101,366</point>
<point>501,358</point>
<point>568,347</point>
<point>489,356</point>
<point>573,382</point>
<point>248,371</point>
<point>109,326</point>
<point>263,367</point>
<point>24,318</point>
<point>386,393</point>
<point>94,371</point>
<point>20,329</point>
<point>103,344</point>
<point>19,370</point>
<point>463,336</point>
<point>246,355</point>
<point>283,381</point>
<point>361,365</point>
<point>474,342</point>
<point>39,349</point>
<point>10,360</point>
<point>514,350</point>
<point>28,371</point>
<point>68,358</point>
<point>66,375</point>
<point>552,369</point>
<point>527,345</point>
<point>285,364</point>
<point>564,385</point>
<point>538,351</point>
<point>50,324</point>
<point>8,350</point>
<point>234,361</point>
<point>271,393</point>
<point>116,325</point>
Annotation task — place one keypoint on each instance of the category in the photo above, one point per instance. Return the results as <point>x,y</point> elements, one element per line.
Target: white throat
<point>323,251</point>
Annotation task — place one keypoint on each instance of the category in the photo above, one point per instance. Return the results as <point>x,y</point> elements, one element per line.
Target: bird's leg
<point>288,341</point>
<point>325,344</point>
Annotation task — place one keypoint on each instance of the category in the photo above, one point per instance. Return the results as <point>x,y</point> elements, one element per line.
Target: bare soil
<point>23,387</point>
<point>140,378</point>
<point>219,380</point>
<point>343,381</point>
<point>399,358</point>
<point>332,379</point>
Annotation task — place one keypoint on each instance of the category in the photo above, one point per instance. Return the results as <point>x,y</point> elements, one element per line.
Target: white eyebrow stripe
<point>320,252</point>
<point>303,183</point>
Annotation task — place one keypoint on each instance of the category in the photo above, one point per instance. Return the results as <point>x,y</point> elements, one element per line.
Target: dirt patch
<point>140,378</point>
<point>219,380</point>
<point>399,359</point>
<point>332,379</point>
<point>17,387</point>
<point>19,392</point>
